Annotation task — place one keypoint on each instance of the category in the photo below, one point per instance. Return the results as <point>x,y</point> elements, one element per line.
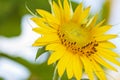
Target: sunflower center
<point>77,39</point>
<point>75,33</point>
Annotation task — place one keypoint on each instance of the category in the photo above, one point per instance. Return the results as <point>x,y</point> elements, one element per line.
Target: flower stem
<point>55,75</point>
<point>59,78</point>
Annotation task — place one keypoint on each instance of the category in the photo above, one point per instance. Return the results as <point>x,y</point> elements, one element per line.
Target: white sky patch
<point>96,5</point>
<point>115,12</point>
<point>10,70</point>
<point>21,45</point>
<point>115,21</point>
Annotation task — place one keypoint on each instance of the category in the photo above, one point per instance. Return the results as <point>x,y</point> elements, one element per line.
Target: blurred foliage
<point>1,78</point>
<point>105,11</point>
<point>11,12</point>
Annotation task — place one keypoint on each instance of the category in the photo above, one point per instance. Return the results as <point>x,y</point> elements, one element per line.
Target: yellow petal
<point>67,10</point>
<point>45,14</point>
<point>98,71</point>
<point>88,67</point>
<point>46,39</point>
<point>108,57</point>
<point>61,12</point>
<point>41,30</point>
<point>102,62</point>
<point>69,68</point>
<point>60,4</point>
<point>55,56</point>
<point>107,52</point>
<point>92,22</point>
<point>56,10</point>
<point>62,63</point>
<point>105,37</point>
<point>39,21</point>
<point>39,43</point>
<point>100,23</point>
<point>77,66</point>
<point>84,15</point>
<point>77,13</point>
<point>101,30</point>
<point>93,30</point>
<point>55,47</point>
<point>106,44</point>
<point>50,19</point>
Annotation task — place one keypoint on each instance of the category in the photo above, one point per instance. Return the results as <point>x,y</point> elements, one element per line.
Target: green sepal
<point>39,52</point>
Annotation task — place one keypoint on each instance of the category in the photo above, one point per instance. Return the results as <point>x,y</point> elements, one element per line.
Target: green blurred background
<point>17,56</point>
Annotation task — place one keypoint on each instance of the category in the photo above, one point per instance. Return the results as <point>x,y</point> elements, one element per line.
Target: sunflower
<point>78,43</point>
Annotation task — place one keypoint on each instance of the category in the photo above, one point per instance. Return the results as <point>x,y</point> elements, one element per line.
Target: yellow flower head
<point>76,42</point>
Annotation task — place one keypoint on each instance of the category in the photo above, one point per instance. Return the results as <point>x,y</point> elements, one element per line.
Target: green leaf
<point>39,52</point>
